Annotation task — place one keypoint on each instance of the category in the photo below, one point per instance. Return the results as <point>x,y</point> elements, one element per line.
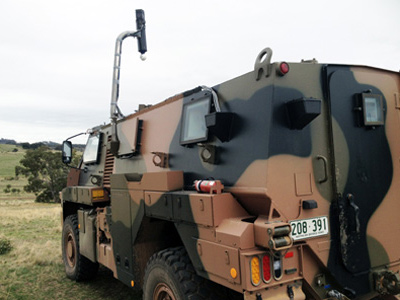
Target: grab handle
<point>325,162</point>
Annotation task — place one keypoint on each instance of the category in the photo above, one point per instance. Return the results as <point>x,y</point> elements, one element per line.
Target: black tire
<point>170,275</point>
<point>77,267</point>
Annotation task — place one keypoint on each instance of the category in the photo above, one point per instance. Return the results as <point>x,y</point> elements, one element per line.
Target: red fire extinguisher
<point>208,186</point>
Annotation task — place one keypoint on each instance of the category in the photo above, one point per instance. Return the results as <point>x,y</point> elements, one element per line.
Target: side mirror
<point>66,152</point>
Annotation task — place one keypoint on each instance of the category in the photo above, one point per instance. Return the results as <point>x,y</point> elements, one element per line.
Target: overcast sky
<point>56,56</point>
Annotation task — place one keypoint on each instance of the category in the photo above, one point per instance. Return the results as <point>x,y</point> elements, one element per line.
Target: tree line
<point>48,144</point>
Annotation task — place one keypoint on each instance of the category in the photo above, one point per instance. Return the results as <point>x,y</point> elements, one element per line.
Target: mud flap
<point>87,235</point>
<point>349,233</point>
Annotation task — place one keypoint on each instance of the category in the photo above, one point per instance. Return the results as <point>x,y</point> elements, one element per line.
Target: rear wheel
<point>77,267</point>
<point>170,275</point>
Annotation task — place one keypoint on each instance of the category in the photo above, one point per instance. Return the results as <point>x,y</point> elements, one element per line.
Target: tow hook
<point>387,282</point>
<point>290,292</point>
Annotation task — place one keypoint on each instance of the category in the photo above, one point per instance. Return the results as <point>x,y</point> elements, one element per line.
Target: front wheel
<point>170,275</point>
<point>77,267</point>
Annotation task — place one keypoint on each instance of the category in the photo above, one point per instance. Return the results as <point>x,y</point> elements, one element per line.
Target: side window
<point>194,127</point>
<point>373,109</point>
<point>91,154</point>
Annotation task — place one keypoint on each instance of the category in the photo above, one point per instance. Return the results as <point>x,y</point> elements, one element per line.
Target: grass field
<point>8,160</point>
<point>33,269</point>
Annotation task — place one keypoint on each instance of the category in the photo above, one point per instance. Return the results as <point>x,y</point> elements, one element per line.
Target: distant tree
<point>32,146</point>
<point>52,145</point>
<point>36,145</point>
<point>7,189</point>
<point>15,191</point>
<point>25,145</point>
<point>46,173</point>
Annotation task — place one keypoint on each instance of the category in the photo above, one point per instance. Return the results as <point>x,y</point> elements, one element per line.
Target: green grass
<point>33,269</point>
<point>9,159</point>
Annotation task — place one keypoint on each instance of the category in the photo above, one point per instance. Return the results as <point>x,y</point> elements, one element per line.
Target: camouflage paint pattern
<point>271,172</point>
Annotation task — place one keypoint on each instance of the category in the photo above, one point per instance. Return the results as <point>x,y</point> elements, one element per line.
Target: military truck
<point>282,183</point>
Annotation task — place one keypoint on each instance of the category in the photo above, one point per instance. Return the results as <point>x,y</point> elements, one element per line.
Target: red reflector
<point>289,254</point>
<point>284,67</point>
<point>266,266</point>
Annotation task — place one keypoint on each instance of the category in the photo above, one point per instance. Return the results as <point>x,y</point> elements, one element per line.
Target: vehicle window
<point>91,153</point>
<point>373,109</point>
<point>193,121</point>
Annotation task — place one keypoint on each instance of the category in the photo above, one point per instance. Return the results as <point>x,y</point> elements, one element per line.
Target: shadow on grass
<point>105,286</point>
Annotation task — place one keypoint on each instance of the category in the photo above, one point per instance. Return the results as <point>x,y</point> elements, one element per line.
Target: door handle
<point>325,162</point>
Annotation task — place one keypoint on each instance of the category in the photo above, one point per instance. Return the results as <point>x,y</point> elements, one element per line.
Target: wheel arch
<point>71,208</point>
<point>153,236</point>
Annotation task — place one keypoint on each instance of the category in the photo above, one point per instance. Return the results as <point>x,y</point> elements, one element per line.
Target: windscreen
<point>91,153</point>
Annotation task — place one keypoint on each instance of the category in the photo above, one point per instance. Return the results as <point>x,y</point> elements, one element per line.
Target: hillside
<point>10,155</point>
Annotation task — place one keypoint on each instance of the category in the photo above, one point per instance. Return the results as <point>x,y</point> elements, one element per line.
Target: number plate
<point>308,228</point>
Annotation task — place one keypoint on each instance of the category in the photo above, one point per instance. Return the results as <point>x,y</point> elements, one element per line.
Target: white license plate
<point>308,228</point>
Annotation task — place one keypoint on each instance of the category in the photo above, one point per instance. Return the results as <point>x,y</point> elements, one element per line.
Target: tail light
<point>255,270</point>
<point>266,267</point>
<point>282,69</point>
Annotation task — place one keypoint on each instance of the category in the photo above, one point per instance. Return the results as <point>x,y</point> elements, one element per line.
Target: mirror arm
<point>71,167</point>
<point>71,137</point>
